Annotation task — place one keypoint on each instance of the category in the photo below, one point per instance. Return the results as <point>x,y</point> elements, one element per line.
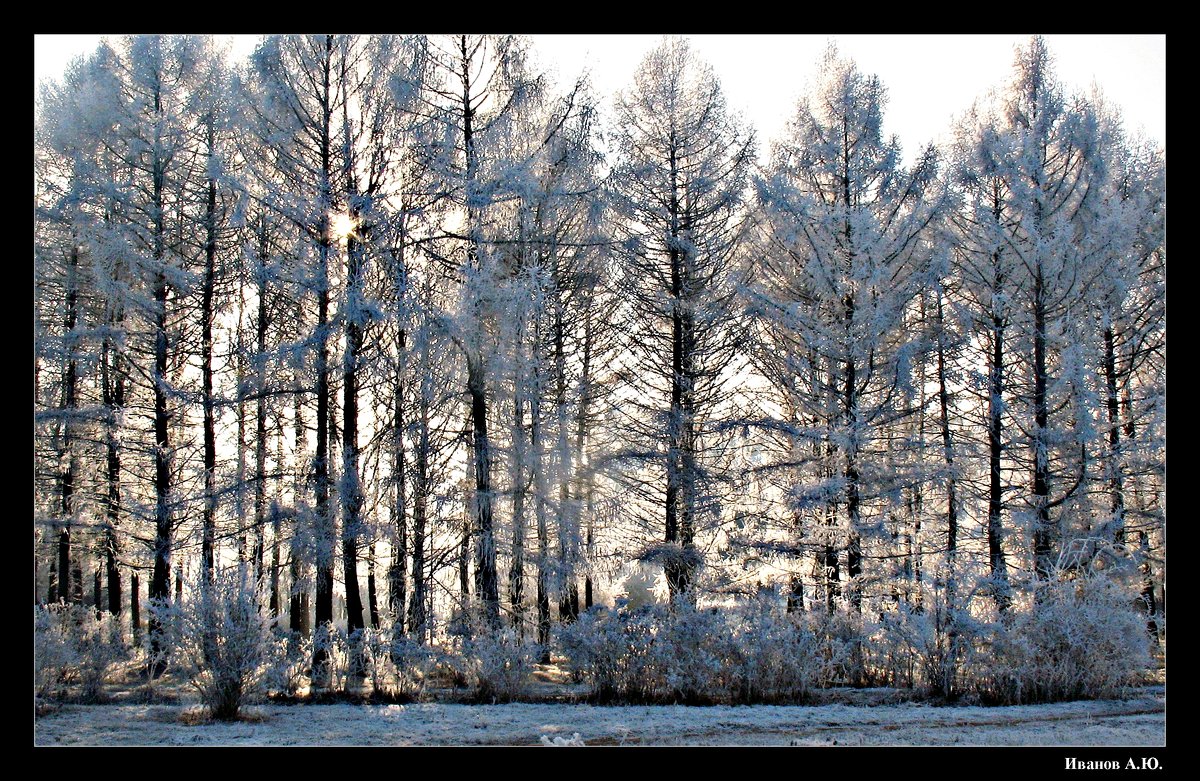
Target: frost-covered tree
<point>296,107</point>
<point>846,251</point>
<point>1039,166</point>
<point>678,188</point>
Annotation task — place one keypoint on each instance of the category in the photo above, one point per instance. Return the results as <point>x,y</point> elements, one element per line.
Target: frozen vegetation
<point>388,391</point>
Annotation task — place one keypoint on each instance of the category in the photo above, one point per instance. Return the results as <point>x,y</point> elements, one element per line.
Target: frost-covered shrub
<point>342,660</point>
<point>707,655</point>
<point>55,656</point>
<point>1080,639</point>
<point>498,664</point>
<point>595,645</point>
<point>841,644</point>
<point>223,643</point>
<point>100,646</point>
<point>73,645</point>
<point>291,655</point>
<point>624,654</point>
<point>495,663</point>
<point>411,664</point>
<point>780,655</point>
<point>375,647</point>
<point>699,656</point>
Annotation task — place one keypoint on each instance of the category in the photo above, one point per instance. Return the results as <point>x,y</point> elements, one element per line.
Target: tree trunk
<point>997,563</point>
<point>398,571</point>
<point>416,607</point>
<point>351,493</point>
<point>159,582</point>
<point>516,572</point>
<point>113,383</point>
<point>568,506</point>
<point>67,478</point>
<point>542,596</point>
<point>208,520</point>
<point>298,597</point>
<point>324,514</point>
<point>135,611</point>
<point>948,455</point>
<point>1116,482</point>
<point>1043,532</point>
<point>372,601</point>
<point>485,549</point>
<point>261,323</point>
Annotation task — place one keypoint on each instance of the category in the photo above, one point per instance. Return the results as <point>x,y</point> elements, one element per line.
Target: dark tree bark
<point>996,385</point>
<point>948,455</point>
<point>351,493</point>
<point>113,384</point>
<point>208,521</point>
<point>421,490</point>
<point>516,572</point>
<point>485,546</point>
<point>324,513</point>
<point>135,610</point>
<point>298,595</point>
<point>1043,530</point>
<point>1116,478</point>
<point>70,402</point>
<point>398,571</point>
<point>261,323</point>
<point>372,601</point>
<point>159,582</point>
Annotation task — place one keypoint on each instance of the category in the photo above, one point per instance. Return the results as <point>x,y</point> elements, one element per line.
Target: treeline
<point>418,339</point>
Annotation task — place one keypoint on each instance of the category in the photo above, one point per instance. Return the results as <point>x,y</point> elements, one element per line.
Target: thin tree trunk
<point>997,563</point>
<point>398,571</point>
<point>372,600</point>
<point>416,607</point>
<point>262,321</point>
<point>298,599</point>
<point>568,507</point>
<point>67,478</point>
<point>1116,482</point>
<point>159,583</point>
<point>1043,530</point>
<point>351,493</point>
<point>516,572</point>
<point>135,610</point>
<point>324,515</point>
<point>113,382</point>
<point>948,454</point>
<point>485,549</point>
<point>542,597</point>
<point>208,520</point>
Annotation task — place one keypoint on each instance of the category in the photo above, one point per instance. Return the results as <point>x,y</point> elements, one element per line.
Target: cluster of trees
<point>399,299</point>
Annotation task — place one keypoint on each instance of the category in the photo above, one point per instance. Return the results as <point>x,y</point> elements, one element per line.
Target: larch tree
<point>847,226</point>
<point>154,145</point>
<point>678,189</point>
<point>296,116</point>
<point>477,87</point>
<point>1049,174</point>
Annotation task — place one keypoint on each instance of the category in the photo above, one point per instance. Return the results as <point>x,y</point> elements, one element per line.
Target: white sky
<point>931,79</point>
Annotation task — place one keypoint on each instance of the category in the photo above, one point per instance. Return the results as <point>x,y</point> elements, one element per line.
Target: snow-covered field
<point>1137,721</point>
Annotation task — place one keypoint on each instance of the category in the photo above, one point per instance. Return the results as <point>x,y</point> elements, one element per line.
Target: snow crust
<point>1136,721</point>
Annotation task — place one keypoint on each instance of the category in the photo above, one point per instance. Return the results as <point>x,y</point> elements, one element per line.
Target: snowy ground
<point>1137,721</point>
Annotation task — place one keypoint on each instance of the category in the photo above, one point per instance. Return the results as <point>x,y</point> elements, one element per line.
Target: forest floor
<point>847,717</point>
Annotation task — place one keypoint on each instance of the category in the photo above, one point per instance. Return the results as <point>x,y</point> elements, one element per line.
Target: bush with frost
<point>496,663</point>
<point>223,643</point>
<point>72,645</point>
<point>1080,638</point>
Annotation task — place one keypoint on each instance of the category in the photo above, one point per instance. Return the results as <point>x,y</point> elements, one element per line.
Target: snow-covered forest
<point>391,368</point>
